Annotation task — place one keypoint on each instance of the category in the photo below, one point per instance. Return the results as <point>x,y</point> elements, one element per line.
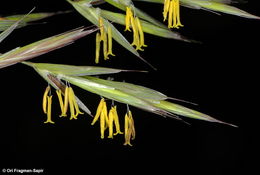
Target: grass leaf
<point>10,29</point>
<point>7,21</point>
<point>75,70</point>
<point>131,94</point>
<point>41,47</point>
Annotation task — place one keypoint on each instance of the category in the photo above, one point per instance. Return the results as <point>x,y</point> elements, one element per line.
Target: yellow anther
<point>110,41</point>
<point>49,102</point>
<point>71,104</point>
<point>44,100</point>
<point>110,123</point>
<point>60,99</point>
<point>99,109</point>
<point>104,110</point>
<point>127,135</point>
<point>66,102</point>
<point>102,124</point>
<point>97,47</point>
<point>132,125</point>
<point>177,9</point>
<point>105,46</point>
<point>101,28</point>
<point>166,9</point>
<point>140,32</point>
<point>136,40</point>
<point>171,14</point>
<point>116,121</point>
<point>128,17</point>
<point>129,128</point>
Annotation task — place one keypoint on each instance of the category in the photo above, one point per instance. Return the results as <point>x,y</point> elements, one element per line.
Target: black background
<point>220,75</point>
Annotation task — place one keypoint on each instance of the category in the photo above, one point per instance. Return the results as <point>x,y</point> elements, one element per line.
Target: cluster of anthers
<point>104,36</point>
<point>69,101</point>
<point>171,10</point>
<point>108,119</point>
<point>133,21</point>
